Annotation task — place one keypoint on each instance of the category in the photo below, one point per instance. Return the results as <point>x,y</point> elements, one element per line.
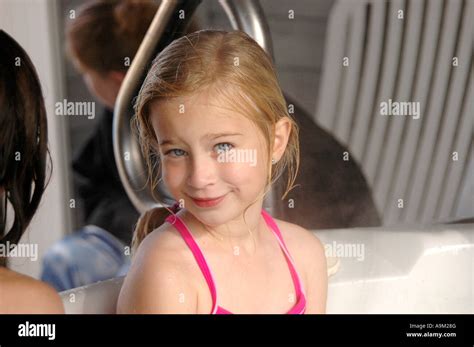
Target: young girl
<point>212,112</point>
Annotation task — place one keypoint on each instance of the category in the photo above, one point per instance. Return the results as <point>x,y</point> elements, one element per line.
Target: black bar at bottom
<point>448,330</point>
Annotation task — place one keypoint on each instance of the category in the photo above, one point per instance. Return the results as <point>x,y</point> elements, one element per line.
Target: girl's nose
<point>202,172</point>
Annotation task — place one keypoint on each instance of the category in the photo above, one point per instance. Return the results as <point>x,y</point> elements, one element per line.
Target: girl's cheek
<point>173,174</point>
<point>240,173</point>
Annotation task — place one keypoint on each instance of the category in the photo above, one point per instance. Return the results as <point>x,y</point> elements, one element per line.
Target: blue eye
<point>175,152</point>
<point>223,147</point>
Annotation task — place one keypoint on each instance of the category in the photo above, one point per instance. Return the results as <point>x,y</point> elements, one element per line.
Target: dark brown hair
<point>106,32</point>
<point>23,138</point>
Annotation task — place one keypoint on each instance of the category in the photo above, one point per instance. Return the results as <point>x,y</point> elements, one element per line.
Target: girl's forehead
<point>201,111</point>
<point>200,100</point>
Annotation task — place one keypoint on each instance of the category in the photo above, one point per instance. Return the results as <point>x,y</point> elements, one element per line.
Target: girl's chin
<point>211,219</point>
<point>214,216</point>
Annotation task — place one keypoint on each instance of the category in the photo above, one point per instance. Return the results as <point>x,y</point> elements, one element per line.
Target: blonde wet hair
<point>228,64</point>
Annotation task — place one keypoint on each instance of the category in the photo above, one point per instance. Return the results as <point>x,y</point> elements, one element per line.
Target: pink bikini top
<point>298,308</point>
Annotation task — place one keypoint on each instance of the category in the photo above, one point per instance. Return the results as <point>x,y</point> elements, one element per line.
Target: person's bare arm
<point>308,252</point>
<point>156,283</point>
<point>317,278</point>
<point>21,294</point>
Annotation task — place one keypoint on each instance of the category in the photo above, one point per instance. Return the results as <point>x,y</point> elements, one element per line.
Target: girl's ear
<point>282,134</point>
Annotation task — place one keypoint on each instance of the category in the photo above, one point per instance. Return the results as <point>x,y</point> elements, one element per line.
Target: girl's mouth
<point>208,202</point>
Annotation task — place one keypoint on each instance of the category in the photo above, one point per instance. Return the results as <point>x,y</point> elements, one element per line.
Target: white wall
<point>33,23</point>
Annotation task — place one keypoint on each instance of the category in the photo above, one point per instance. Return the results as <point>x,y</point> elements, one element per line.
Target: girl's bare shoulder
<point>304,246</point>
<point>21,294</point>
<point>165,242</point>
<point>159,278</point>
<point>299,240</point>
<point>310,260</point>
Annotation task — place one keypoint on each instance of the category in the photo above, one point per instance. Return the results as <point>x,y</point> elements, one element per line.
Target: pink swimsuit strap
<point>181,227</point>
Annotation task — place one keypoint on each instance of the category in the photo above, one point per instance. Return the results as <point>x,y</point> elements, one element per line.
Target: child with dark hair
<point>23,173</point>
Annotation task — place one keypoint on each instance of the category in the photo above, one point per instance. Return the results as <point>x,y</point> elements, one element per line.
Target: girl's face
<point>209,152</point>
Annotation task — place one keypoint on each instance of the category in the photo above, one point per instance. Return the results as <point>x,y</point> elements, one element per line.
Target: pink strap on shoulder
<point>294,275</point>
<point>189,239</point>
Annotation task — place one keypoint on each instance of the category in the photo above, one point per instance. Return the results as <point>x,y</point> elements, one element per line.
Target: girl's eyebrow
<point>165,142</point>
<point>207,136</point>
<point>217,135</point>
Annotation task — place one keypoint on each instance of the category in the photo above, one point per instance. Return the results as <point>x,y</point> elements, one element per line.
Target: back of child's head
<point>104,35</point>
<point>23,139</point>
<point>228,65</point>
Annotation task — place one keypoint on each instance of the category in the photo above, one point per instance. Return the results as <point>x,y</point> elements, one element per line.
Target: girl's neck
<point>239,235</point>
